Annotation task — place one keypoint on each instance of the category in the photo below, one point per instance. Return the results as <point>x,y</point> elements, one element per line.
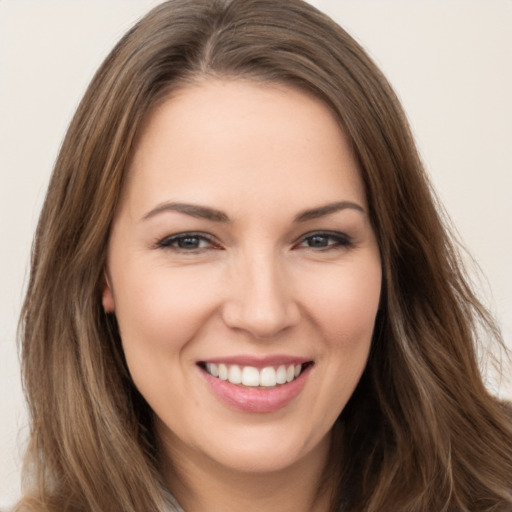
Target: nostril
<point>261,321</point>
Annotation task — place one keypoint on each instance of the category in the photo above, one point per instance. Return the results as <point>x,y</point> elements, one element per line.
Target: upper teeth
<point>251,376</point>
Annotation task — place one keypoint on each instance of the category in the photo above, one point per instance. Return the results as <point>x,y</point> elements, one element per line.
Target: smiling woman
<point>242,296</point>
<point>265,307</point>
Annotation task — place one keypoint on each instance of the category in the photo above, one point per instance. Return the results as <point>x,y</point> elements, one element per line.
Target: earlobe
<point>107,297</point>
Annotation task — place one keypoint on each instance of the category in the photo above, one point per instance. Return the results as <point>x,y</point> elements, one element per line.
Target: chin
<point>265,451</point>
<point>257,460</point>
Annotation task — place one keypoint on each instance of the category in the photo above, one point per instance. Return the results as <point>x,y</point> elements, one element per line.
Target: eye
<point>325,240</point>
<point>187,242</point>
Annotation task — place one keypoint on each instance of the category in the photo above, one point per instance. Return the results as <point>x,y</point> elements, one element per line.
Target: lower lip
<point>259,399</point>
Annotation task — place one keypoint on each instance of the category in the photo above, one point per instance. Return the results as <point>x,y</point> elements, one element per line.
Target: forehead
<point>221,140</point>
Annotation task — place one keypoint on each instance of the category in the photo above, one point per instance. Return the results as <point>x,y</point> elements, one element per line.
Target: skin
<point>257,286</point>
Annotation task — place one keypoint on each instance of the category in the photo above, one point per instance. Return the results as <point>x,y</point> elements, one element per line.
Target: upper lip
<point>258,361</point>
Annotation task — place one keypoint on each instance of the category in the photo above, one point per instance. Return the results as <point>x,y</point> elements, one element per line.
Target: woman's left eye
<point>325,241</point>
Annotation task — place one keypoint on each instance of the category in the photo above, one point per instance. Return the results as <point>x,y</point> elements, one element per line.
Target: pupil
<point>318,241</point>
<point>190,242</point>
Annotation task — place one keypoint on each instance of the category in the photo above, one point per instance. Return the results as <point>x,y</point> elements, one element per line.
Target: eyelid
<point>167,241</point>
<point>342,239</point>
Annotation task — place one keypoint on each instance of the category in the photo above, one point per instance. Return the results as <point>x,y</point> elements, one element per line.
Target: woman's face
<point>244,274</point>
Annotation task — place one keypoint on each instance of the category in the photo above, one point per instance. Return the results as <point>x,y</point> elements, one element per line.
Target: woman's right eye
<point>186,242</point>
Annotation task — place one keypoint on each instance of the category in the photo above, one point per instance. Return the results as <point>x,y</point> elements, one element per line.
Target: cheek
<point>344,303</point>
<point>344,311</point>
<point>161,309</point>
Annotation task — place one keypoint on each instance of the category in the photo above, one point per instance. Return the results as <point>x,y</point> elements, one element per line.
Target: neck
<point>200,484</point>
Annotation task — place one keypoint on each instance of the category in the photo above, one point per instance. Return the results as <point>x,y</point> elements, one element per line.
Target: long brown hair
<point>420,433</point>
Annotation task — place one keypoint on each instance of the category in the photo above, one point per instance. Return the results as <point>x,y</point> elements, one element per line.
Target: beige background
<point>449,60</point>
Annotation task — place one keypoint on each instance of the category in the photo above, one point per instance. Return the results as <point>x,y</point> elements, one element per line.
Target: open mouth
<point>250,376</point>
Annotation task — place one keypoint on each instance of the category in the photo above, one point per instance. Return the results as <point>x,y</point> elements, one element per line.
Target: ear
<point>107,297</point>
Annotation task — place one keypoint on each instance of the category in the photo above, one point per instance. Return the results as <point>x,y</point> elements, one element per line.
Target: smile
<point>253,385</point>
<point>250,376</point>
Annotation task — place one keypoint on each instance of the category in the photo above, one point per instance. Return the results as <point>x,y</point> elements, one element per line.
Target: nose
<point>260,298</point>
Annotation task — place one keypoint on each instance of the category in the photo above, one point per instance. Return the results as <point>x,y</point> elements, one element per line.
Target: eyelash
<point>170,242</point>
<point>338,240</point>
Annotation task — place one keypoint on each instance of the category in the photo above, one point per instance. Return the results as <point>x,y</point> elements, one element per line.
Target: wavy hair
<point>420,433</point>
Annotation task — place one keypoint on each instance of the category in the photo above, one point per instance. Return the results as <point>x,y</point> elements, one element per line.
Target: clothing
<point>171,504</point>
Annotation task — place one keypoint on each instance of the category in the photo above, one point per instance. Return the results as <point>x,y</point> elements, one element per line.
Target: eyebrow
<point>212,214</point>
<point>321,211</point>
<point>194,210</point>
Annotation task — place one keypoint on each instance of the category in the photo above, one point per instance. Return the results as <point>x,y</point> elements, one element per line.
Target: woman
<point>242,294</point>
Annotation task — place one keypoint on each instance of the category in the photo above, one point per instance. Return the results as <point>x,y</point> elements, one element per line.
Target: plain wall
<point>450,62</point>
